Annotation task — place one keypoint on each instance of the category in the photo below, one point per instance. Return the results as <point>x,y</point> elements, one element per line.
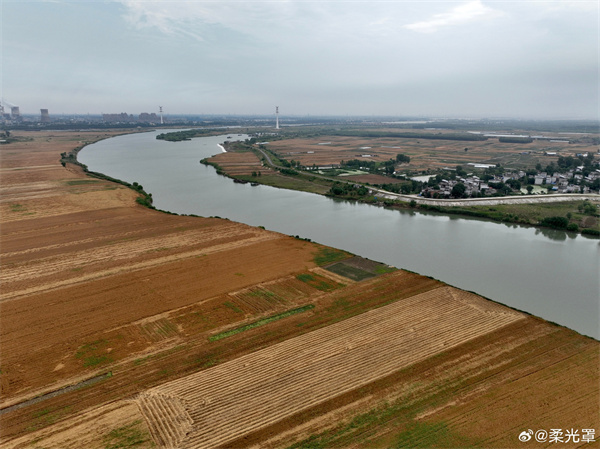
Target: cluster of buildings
<point>474,186</point>
<point>571,181</point>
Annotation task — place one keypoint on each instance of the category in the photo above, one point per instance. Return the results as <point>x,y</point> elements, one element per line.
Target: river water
<point>548,273</point>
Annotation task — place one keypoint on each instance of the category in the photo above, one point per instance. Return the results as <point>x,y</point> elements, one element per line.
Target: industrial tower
<point>276,117</point>
<point>161,117</point>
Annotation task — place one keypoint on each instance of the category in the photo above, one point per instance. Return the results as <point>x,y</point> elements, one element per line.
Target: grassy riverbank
<point>271,169</point>
<point>573,216</point>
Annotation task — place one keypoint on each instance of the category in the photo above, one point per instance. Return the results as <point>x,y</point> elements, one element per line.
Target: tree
<point>529,188</point>
<point>402,158</point>
<point>458,190</point>
<point>337,190</point>
<point>389,166</point>
<point>363,190</point>
<point>460,171</point>
<point>513,183</point>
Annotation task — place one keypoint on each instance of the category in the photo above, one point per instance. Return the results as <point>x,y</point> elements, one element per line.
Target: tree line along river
<point>547,273</point>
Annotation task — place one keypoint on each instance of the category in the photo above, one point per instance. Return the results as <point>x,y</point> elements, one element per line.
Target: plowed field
<point>108,313</point>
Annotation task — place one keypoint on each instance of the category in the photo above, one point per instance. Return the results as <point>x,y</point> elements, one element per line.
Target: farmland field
<point>424,153</point>
<point>121,326</point>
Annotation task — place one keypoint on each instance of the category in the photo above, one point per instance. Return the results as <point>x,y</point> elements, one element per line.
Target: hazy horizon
<point>467,59</point>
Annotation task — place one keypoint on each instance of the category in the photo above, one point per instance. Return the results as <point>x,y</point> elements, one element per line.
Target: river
<point>551,274</point>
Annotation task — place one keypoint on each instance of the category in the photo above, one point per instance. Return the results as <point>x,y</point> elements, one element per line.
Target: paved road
<point>492,201</point>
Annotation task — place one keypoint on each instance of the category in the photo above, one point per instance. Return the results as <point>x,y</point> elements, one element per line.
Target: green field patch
<point>319,282</point>
<point>129,436</point>
<point>94,353</point>
<point>325,256</point>
<point>47,416</point>
<point>412,434</point>
<point>233,307</point>
<point>422,434</point>
<point>305,277</point>
<point>205,361</point>
<point>356,274</point>
<point>265,294</point>
<point>261,322</point>
<point>17,208</point>
<point>81,182</point>
<point>383,269</point>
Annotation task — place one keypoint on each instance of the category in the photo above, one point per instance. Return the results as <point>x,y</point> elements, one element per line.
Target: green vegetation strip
<point>178,136</point>
<point>262,322</point>
<point>58,392</point>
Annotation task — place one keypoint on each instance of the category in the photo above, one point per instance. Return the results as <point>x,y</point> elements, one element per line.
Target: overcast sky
<point>527,59</point>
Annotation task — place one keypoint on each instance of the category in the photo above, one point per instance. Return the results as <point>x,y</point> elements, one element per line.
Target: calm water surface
<point>551,274</point>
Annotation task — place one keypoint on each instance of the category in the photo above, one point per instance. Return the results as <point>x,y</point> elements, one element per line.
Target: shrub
<point>572,227</point>
<point>555,222</point>
<point>594,232</point>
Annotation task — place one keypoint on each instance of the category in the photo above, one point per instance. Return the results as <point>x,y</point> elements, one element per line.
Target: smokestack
<point>161,117</point>
<point>277,117</point>
<point>45,117</point>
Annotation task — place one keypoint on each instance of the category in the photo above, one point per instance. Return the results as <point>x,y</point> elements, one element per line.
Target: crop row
<point>256,390</point>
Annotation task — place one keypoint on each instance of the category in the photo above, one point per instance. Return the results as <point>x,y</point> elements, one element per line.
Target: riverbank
<point>532,210</point>
<point>94,283</point>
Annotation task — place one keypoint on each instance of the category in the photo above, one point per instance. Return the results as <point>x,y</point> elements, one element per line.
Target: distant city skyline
<point>401,58</point>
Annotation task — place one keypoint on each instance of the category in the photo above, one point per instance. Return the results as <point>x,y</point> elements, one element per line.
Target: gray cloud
<point>402,57</point>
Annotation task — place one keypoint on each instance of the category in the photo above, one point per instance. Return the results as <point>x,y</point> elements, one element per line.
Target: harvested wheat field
<point>121,326</point>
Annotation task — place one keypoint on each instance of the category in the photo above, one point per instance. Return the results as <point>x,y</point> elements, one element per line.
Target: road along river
<point>551,274</point>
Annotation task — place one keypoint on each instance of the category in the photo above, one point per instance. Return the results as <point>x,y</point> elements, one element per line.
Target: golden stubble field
<point>112,321</point>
